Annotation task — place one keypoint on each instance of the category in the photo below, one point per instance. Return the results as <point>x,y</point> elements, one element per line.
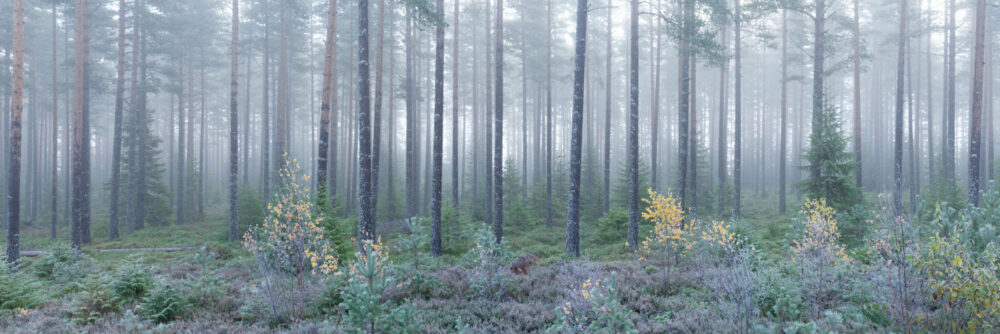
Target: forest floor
<point>218,286</point>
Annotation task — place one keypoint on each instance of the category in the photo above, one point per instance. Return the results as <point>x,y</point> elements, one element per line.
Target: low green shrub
<point>131,281</point>
<point>163,304</point>
<point>17,289</point>
<point>62,264</point>
<point>93,301</point>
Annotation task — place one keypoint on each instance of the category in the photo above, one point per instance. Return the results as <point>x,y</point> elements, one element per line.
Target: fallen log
<point>118,250</point>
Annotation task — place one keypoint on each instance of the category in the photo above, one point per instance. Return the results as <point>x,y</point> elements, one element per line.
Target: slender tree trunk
<point>581,10</point>
<point>55,128</point>
<point>81,126</point>
<point>438,132</point>
<point>723,121</point>
<point>201,142</point>
<point>281,157</point>
<point>784,112</point>
<point>949,148</point>
<point>456,162</point>
<point>326,101</point>
<point>738,114</point>
<point>684,99</point>
<point>366,212</point>
<point>692,208</point>
<point>412,185</point>
<point>579,68</point>
<point>234,222</point>
<point>975,120</point>
<point>498,130</point>
<point>142,125</point>
<point>897,194</point>
<point>116,159</point>
<point>633,129</point>
<point>14,162</point>
<point>377,108</point>
<point>181,182</point>
<point>819,44</point>
<point>265,116</point>
<point>607,118</point>
<point>857,96</point>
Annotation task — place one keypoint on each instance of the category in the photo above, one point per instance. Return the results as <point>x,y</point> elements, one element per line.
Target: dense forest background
<point>717,151</point>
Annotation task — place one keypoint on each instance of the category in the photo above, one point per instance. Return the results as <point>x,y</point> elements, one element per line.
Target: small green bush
<point>17,290</point>
<point>163,304</point>
<point>131,282</point>
<point>251,208</point>
<point>62,264</point>
<point>611,227</point>
<point>93,301</point>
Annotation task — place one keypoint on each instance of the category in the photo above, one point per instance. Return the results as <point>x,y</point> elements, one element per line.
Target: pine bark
<point>116,158</point>
<point>783,160</point>
<point>326,100</point>
<point>438,135</point>
<point>233,124</point>
<point>498,130</point>
<point>857,96</point>
<point>366,212</point>
<point>737,112</point>
<point>897,198</point>
<point>548,123</point>
<point>81,125</point>
<point>14,162</point>
<point>55,129</point>
<point>579,69</point>
<point>975,121</point>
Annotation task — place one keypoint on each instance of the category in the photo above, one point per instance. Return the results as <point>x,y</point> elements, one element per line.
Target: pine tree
<point>233,125</point>
<point>579,68</point>
<point>14,162</point>
<point>831,163</point>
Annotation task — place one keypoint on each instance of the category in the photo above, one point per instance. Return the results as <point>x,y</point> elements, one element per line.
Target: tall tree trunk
<point>949,162</point>
<point>116,159</point>
<point>81,129</point>
<point>142,125</point>
<point>579,68</point>
<point>737,112</point>
<point>723,121</point>
<point>857,96</point>
<point>607,117</point>
<point>783,161</point>
<point>377,107</point>
<point>692,208</point>
<point>327,100</point>
<point>234,222</point>
<point>14,162</point>
<point>265,116</point>
<point>201,143</point>
<point>181,181</point>
<point>633,129</point>
<point>412,184</point>
<point>498,130</point>
<point>975,126</point>
<point>55,128</point>
<point>281,157</point>
<point>897,193</point>
<point>438,135</point>
<point>819,44</point>
<point>684,99</point>
<point>456,162</point>
<point>581,10</point>
<point>366,212</point>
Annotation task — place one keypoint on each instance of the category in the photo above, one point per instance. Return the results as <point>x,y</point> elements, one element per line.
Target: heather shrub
<point>894,269</point>
<point>600,311</point>
<point>489,261</point>
<point>289,248</point>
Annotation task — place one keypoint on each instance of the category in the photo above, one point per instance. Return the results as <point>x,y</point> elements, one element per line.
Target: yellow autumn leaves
<point>820,233</point>
<point>671,234</point>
